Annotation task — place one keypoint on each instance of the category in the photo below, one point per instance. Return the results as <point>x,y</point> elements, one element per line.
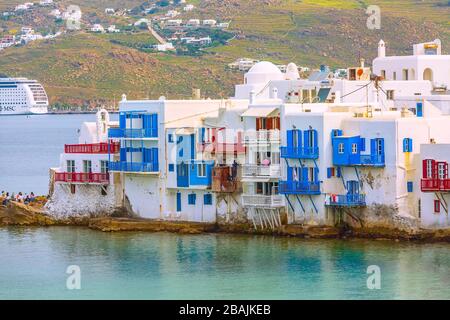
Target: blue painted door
<point>178,202</point>
<point>419,109</point>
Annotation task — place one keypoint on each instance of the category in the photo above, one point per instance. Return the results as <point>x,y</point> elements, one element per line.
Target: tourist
<point>32,197</point>
<point>3,194</point>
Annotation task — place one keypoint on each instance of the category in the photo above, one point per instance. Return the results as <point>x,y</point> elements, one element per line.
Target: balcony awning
<point>184,131</point>
<point>259,112</point>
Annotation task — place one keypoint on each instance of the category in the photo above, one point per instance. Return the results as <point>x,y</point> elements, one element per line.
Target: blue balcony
<point>349,200</point>
<point>195,174</point>
<point>347,152</point>
<point>139,167</point>
<point>133,133</point>
<point>299,187</point>
<point>300,153</point>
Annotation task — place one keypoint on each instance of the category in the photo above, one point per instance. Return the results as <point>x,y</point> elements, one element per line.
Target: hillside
<point>87,68</point>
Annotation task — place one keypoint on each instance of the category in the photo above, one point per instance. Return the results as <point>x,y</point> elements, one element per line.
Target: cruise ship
<point>22,96</point>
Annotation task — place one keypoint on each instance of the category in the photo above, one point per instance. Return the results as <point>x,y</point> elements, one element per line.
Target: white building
<point>168,46</point>
<point>46,2</point>
<point>113,29</point>
<point>189,7</point>
<point>172,13</point>
<point>193,23</point>
<point>110,11</point>
<point>173,23</point>
<point>82,184</point>
<point>97,28</point>
<point>314,151</point>
<point>209,22</point>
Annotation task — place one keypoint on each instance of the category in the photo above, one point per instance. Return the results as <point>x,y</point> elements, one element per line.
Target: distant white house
<point>223,25</point>
<point>113,29</point>
<point>165,47</point>
<point>173,23</point>
<point>98,28</point>
<point>189,7</point>
<point>198,41</point>
<point>56,13</point>
<point>27,30</point>
<point>141,21</point>
<point>193,23</point>
<point>21,7</point>
<point>110,11</point>
<point>46,2</point>
<point>209,22</point>
<point>172,13</point>
<point>243,64</point>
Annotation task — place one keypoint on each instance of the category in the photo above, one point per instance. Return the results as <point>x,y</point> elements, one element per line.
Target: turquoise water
<point>33,262</point>
<point>30,145</point>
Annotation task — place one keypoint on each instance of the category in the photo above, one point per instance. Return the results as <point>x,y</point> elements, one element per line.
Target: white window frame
<point>71,166</point>
<point>441,171</point>
<point>341,148</point>
<point>87,166</point>
<point>103,166</point>
<point>354,148</point>
<point>201,170</point>
<point>429,169</point>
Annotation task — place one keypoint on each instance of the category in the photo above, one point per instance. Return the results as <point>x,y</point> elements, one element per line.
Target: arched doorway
<point>428,74</point>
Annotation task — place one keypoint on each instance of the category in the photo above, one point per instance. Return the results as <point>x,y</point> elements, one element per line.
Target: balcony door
<point>87,166</point>
<point>71,166</point>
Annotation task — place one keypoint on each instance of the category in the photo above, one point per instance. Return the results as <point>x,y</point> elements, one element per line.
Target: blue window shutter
<point>316,174</point>
<point>154,125</point>
<point>123,154</point>
<point>339,172</point>
<point>155,159</point>
<point>419,109</point>
<point>362,144</point>
<point>329,172</point>
<point>192,146</point>
<point>373,146</point>
<point>207,199</point>
<point>170,137</point>
<point>305,174</point>
<point>290,174</point>
<point>315,138</point>
<point>171,167</point>
<point>306,138</point>
<point>202,135</point>
<point>410,145</point>
<point>178,202</point>
<point>192,199</point>
<point>410,186</point>
<point>290,139</point>
<point>122,120</point>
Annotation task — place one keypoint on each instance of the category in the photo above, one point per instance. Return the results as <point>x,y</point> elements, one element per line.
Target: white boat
<point>22,96</point>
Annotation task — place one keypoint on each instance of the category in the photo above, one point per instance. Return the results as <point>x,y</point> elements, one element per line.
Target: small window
<point>170,138</point>
<point>383,74</point>
<point>390,94</point>
<point>354,148</point>
<point>207,199</point>
<point>201,167</point>
<point>437,206</point>
<point>171,167</point>
<point>72,188</point>
<point>331,172</point>
<point>104,191</point>
<point>191,199</point>
<point>341,148</point>
<point>103,166</point>
<point>70,166</point>
<point>407,145</point>
<point>339,173</point>
<point>410,186</point>
<point>394,76</point>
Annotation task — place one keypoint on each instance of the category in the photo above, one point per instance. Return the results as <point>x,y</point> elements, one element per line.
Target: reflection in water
<point>171,266</point>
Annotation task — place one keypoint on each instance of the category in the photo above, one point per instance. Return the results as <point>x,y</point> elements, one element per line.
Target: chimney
<point>252,97</point>
<point>381,49</point>
<point>274,94</point>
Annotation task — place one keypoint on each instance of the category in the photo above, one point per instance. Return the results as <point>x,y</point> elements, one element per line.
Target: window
<point>437,206</point>
<point>331,172</point>
<point>104,191</point>
<point>383,74</point>
<point>170,138</point>
<point>429,169</point>
<point>410,186</point>
<point>103,166</point>
<point>407,145</point>
<point>341,148</point>
<point>207,199</point>
<point>171,167</point>
<point>354,148</point>
<point>191,199</point>
<point>390,94</point>
<point>70,166</point>
<point>72,188</point>
<point>394,76</point>
<point>405,74</point>
<point>339,173</point>
<point>87,166</point>
<point>442,170</point>
<point>201,170</point>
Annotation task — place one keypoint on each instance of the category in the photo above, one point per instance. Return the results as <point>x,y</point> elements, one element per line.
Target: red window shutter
<point>435,169</point>
<point>425,168</point>
<point>278,123</point>
<point>258,124</point>
<point>269,122</point>
<point>446,170</point>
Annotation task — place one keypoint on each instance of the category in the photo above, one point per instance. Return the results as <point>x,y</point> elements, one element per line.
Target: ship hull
<point>23,111</point>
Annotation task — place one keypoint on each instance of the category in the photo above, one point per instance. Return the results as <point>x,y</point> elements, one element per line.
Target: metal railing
<point>262,136</point>
<point>256,170</point>
<point>300,152</point>
<point>97,148</point>
<point>349,200</point>
<point>134,167</point>
<point>74,177</point>
<point>133,133</point>
<point>272,201</point>
<point>299,187</point>
<point>433,185</point>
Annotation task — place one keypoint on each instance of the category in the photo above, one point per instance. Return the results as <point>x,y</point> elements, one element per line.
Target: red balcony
<point>215,147</point>
<point>94,178</point>
<point>435,185</point>
<point>97,148</point>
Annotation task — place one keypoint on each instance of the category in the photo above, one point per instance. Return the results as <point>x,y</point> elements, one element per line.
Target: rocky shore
<point>18,214</point>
